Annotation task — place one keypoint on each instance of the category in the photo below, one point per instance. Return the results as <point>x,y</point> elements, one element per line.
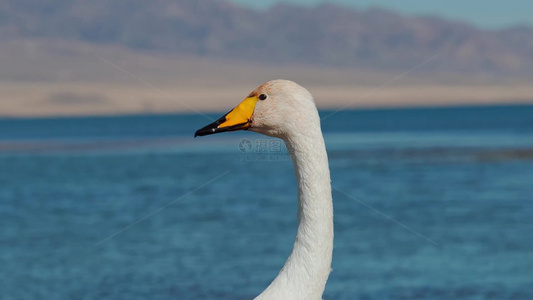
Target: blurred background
<point>427,112</point>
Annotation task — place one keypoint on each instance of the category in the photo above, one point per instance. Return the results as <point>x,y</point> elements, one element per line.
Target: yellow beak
<point>238,118</point>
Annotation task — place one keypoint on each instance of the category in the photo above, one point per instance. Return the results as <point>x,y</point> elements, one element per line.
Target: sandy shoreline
<point>61,78</point>
<point>84,99</point>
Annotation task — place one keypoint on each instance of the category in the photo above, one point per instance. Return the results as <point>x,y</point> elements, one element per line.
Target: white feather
<point>289,113</point>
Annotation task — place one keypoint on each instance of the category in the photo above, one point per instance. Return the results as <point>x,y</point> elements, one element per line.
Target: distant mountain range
<point>323,35</point>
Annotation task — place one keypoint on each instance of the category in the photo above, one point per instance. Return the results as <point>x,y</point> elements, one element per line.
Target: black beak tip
<point>205,131</point>
<point>211,128</point>
<point>198,133</point>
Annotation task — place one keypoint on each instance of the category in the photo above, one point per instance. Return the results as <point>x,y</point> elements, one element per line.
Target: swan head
<point>276,108</point>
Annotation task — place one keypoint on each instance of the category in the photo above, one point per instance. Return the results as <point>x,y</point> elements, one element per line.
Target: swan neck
<point>306,271</point>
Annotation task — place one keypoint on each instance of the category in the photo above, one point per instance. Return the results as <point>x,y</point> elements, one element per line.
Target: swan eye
<point>262,97</point>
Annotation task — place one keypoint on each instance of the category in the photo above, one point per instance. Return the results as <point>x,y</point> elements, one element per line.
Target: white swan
<point>283,109</point>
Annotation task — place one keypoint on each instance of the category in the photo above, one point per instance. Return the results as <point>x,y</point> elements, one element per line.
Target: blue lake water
<point>429,204</point>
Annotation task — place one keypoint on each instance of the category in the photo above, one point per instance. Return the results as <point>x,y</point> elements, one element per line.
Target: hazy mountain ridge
<point>325,34</point>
